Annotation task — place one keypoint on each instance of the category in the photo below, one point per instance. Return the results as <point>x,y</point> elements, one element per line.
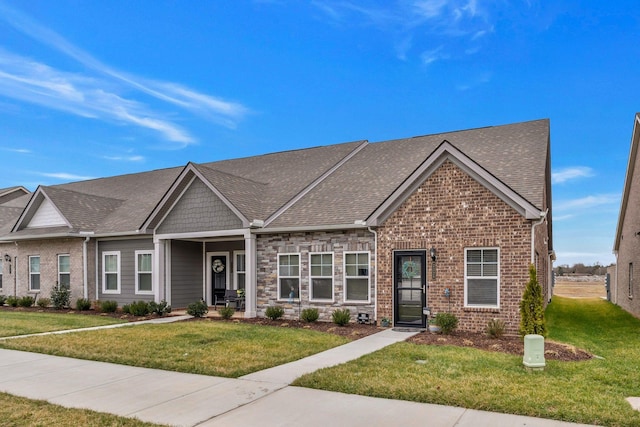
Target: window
<point>481,280</point>
<point>321,276</point>
<point>34,273</point>
<point>144,267</point>
<point>64,271</point>
<point>288,276</point>
<point>240,270</point>
<point>1,267</point>
<point>630,280</point>
<point>356,273</point>
<point>111,272</point>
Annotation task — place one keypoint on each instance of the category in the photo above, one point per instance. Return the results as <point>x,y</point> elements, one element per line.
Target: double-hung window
<point>144,268</point>
<point>34,273</point>
<point>64,271</point>
<point>481,277</point>
<point>356,276</point>
<point>321,276</point>
<point>111,272</point>
<point>288,276</point>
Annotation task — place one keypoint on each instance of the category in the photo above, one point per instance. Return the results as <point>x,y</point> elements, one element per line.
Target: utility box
<point>534,352</point>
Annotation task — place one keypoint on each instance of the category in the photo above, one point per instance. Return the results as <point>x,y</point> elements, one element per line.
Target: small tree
<point>532,307</point>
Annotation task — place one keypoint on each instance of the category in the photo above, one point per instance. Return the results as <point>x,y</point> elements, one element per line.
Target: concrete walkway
<point>263,398</point>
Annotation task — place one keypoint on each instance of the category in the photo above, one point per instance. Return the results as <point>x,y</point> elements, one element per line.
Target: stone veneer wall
<point>268,248</point>
<point>451,211</point>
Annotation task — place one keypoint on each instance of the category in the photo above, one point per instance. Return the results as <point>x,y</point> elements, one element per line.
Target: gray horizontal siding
<point>186,273</point>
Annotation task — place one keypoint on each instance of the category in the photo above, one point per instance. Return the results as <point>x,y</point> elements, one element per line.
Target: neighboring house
<point>12,202</point>
<point>397,229</point>
<point>625,290</point>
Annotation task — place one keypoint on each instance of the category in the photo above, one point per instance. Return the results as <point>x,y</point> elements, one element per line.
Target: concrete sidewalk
<point>263,398</point>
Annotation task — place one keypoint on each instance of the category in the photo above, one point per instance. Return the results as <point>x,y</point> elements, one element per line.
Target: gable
<point>46,216</point>
<point>198,209</point>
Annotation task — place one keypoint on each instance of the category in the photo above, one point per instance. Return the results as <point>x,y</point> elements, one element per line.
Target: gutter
<point>543,217</point>
<point>85,273</point>
<point>302,229</point>
<point>375,278</point>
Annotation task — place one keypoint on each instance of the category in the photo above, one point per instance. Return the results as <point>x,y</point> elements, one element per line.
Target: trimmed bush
<point>12,301</point>
<point>83,304</point>
<point>139,308</point>
<point>532,307</point>
<point>26,301</point>
<point>160,308</point>
<point>341,316</point>
<point>108,306</point>
<point>274,312</point>
<point>126,309</point>
<point>448,322</point>
<point>3,299</point>
<point>44,302</point>
<point>495,328</point>
<point>60,297</point>
<point>226,312</point>
<point>310,315</point>
<point>197,309</point>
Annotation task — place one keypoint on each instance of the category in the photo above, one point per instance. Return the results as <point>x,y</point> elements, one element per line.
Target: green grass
<point>202,347</point>
<point>591,392</point>
<point>18,411</point>
<point>14,323</point>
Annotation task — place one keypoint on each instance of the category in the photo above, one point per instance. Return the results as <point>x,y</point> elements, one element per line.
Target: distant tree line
<point>581,269</point>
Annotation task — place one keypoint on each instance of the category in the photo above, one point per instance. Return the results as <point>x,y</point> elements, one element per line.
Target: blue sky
<point>100,88</point>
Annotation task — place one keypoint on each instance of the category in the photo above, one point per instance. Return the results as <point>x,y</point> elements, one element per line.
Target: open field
<point>580,289</point>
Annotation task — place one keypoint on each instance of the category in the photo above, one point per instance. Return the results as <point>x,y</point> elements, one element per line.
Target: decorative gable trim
<point>8,194</point>
<point>447,151</point>
<point>175,193</point>
<point>41,212</point>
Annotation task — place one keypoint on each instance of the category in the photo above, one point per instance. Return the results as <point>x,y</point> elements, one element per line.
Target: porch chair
<point>230,297</point>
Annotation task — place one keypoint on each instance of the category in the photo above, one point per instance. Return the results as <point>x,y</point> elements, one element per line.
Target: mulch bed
<point>506,344</point>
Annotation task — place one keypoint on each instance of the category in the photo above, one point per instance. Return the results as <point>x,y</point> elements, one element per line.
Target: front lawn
<point>591,392</point>
<point>14,323</point>
<point>225,349</point>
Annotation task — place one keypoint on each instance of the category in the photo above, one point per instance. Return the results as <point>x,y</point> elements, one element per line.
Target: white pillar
<point>251,288</point>
<point>159,271</point>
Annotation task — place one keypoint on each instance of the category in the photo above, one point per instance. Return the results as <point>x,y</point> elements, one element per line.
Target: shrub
<point>26,301</point>
<point>160,308</point>
<point>3,299</point>
<point>448,322</point>
<point>226,312</point>
<point>108,306</point>
<point>310,315</point>
<point>12,301</point>
<point>44,302</point>
<point>532,307</point>
<point>60,297</point>
<point>126,308</point>
<point>274,312</point>
<point>139,308</point>
<point>495,328</point>
<point>341,316</point>
<point>197,309</point>
<point>83,304</point>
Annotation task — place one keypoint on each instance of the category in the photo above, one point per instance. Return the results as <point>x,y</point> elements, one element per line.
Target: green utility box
<point>534,352</point>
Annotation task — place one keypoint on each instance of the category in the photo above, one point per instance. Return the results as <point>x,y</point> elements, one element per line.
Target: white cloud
<point>100,96</point>
<point>432,55</point>
<point>587,202</point>
<point>65,176</point>
<point>570,173</point>
<point>18,150</point>
<point>134,158</point>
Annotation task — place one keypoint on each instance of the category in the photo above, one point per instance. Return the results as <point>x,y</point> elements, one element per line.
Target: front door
<point>218,276</point>
<point>410,288</point>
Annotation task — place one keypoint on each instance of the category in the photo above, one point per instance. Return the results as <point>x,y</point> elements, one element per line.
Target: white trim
<point>346,277</point>
<point>235,269</point>
<point>209,277</point>
<point>331,277</point>
<point>67,272</point>
<point>104,272</point>
<point>290,277</point>
<point>200,234</point>
<point>31,273</point>
<point>137,272</point>
<point>497,278</point>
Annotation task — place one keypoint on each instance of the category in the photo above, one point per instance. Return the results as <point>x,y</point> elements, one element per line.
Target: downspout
<point>543,217</point>
<point>85,273</point>
<point>375,277</point>
<point>15,272</point>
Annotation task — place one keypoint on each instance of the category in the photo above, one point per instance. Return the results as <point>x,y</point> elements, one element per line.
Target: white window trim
<point>344,283</point>
<point>32,273</point>
<point>290,277</point>
<point>69,272</point>
<point>497,278</point>
<point>104,273</point>
<point>235,268</point>
<point>311,277</point>
<point>137,289</point>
